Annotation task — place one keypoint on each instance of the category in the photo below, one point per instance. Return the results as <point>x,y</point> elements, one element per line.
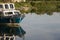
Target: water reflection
<point>42,7</point>
<point>42,27</point>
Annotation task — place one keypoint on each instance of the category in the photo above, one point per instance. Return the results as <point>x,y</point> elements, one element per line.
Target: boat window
<point>8,13</point>
<point>6,6</point>
<point>11,5</point>
<point>17,13</point>
<point>1,13</point>
<point>1,6</point>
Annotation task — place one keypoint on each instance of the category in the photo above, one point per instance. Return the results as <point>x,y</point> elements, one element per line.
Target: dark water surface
<point>41,27</point>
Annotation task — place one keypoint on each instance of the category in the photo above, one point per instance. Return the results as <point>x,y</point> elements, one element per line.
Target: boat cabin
<point>4,6</point>
<point>9,13</point>
<point>8,9</point>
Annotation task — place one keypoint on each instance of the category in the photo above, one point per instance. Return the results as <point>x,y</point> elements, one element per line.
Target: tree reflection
<point>49,13</point>
<point>40,7</point>
<point>45,7</point>
<point>42,12</point>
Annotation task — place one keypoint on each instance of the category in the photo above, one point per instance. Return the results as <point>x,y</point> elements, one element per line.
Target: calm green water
<point>41,27</point>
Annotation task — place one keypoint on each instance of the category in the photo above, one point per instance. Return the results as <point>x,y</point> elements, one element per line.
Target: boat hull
<point>11,19</point>
<point>10,25</point>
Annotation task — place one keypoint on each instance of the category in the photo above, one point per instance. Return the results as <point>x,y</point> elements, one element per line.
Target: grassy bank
<point>39,7</point>
<point>23,6</point>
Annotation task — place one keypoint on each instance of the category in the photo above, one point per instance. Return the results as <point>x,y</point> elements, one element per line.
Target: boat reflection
<point>17,31</point>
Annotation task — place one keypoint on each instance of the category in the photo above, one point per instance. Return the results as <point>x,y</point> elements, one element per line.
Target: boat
<point>10,19</point>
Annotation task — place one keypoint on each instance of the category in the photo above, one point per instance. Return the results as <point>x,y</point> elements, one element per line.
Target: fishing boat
<point>10,19</point>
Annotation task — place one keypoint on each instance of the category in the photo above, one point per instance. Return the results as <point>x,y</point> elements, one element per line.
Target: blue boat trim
<point>14,19</point>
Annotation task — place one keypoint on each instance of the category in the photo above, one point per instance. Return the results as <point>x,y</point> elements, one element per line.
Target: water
<point>41,27</point>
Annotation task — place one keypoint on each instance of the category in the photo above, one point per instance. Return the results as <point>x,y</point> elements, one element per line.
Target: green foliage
<point>17,5</point>
<point>45,7</point>
<point>42,0</point>
<point>1,0</point>
<point>21,6</point>
<point>40,7</point>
